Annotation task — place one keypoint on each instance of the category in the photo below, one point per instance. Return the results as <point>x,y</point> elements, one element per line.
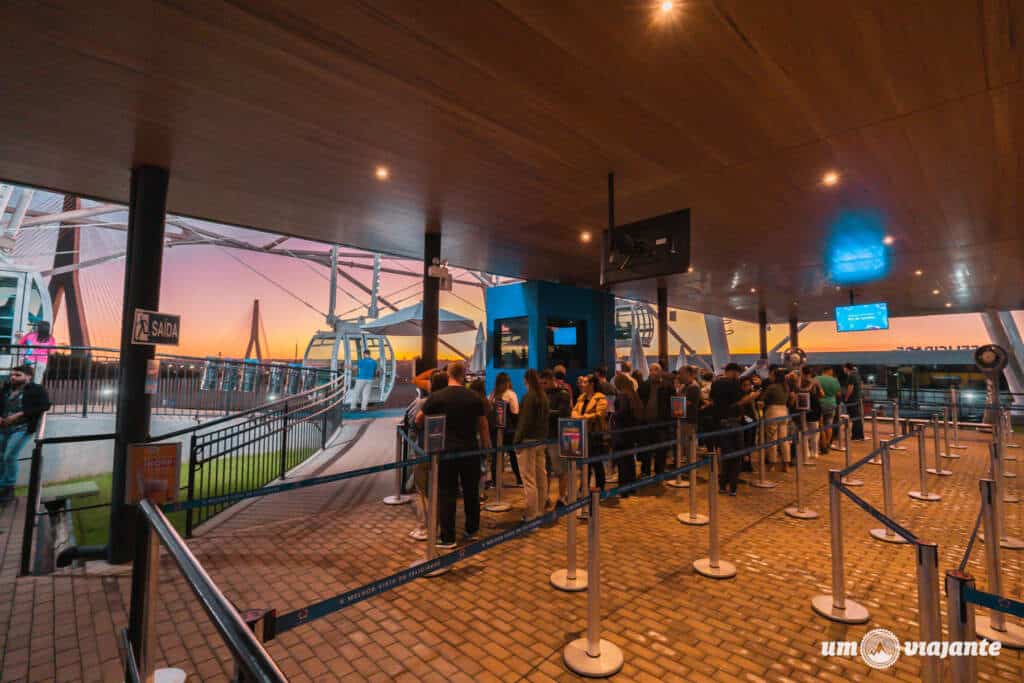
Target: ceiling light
<point>667,6</point>
<point>949,305</point>
<point>919,272</point>
<point>382,173</point>
<point>753,290</point>
<point>935,292</point>
<point>830,179</point>
<point>585,237</point>
<point>690,269</point>
<point>888,239</point>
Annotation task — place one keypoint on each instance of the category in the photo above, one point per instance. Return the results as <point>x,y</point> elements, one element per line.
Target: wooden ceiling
<point>499,120</point>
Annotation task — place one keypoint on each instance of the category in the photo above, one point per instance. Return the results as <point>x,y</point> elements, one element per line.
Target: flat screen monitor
<point>862,317</point>
<point>564,336</point>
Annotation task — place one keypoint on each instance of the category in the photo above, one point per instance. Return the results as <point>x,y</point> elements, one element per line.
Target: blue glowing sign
<point>856,252</point>
<point>863,317</point>
<point>564,336</point>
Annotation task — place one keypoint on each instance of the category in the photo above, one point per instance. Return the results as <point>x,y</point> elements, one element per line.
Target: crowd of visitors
<point>622,411</point>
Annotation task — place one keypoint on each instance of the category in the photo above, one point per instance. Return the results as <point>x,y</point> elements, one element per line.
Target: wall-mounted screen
<point>563,336</point>
<point>862,317</point>
<point>567,343</point>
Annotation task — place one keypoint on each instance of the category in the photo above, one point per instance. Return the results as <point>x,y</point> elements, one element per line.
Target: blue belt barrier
<point>992,601</point>
<point>653,479</point>
<point>866,507</point>
<point>321,609</point>
<point>970,543</point>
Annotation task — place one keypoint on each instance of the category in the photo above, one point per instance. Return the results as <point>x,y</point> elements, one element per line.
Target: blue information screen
<point>862,317</point>
<point>564,336</point>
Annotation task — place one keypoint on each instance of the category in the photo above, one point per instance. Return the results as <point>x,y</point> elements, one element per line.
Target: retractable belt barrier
<point>994,602</point>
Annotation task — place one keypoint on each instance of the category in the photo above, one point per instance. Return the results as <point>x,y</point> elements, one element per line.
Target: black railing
<point>251,659</point>
<point>247,451</point>
<point>83,380</point>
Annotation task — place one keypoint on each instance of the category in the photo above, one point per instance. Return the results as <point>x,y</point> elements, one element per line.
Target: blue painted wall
<point>540,301</point>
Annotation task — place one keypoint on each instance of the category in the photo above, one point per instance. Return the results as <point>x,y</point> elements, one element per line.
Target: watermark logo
<point>880,648</point>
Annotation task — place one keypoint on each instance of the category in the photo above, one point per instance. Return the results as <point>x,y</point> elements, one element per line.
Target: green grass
<point>92,527</point>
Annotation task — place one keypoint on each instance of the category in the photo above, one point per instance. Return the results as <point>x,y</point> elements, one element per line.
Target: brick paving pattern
<point>495,617</point>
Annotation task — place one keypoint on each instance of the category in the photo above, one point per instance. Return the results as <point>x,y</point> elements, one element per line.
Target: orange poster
<point>153,471</point>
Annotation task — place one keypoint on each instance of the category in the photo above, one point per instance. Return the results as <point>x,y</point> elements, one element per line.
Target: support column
<point>143,261</point>
<point>663,327</point>
<point>719,341</point>
<point>431,300</point>
<point>762,334</point>
<point>794,333</point>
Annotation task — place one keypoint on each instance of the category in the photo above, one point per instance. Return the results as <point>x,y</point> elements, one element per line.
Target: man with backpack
<point>22,404</point>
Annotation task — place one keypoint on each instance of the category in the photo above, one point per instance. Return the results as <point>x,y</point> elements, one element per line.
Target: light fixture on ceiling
<point>919,272</point>
<point>830,179</point>
<point>935,292</point>
<point>382,173</point>
<point>585,237</point>
<point>949,305</point>
<point>666,6</point>
<point>888,240</point>
<point>690,269</point>
<point>753,290</point>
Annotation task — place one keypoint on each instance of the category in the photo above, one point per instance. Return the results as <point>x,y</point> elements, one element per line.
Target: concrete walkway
<point>495,617</point>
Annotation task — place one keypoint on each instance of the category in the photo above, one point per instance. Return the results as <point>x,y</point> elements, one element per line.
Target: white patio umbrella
<point>637,358</point>
<point>478,361</point>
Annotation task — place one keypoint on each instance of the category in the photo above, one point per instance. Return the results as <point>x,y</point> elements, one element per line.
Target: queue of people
<point>616,410</point>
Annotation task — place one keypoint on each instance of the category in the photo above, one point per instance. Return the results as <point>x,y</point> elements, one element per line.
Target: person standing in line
<point>533,427</point>
<point>22,404</point>
<point>366,372</point>
<point>776,406</point>
<point>479,387</point>
<point>559,373</point>
<point>421,472</point>
<point>627,414</point>
<point>809,385</point>
<point>592,406</point>
<point>465,421</point>
<point>726,404</point>
<point>852,393</point>
<point>40,343</point>
<point>559,406</point>
<point>503,392</point>
<point>748,418</point>
<point>656,398</point>
<point>829,407</point>
<point>626,369</point>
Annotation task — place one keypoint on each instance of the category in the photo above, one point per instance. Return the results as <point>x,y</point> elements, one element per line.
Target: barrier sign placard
<point>499,414</point>
<point>153,472</point>
<point>152,375</point>
<point>803,400</point>
<point>434,426</point>
<point>572,436</point>
<point>152,328</point>
<point>679,407</point>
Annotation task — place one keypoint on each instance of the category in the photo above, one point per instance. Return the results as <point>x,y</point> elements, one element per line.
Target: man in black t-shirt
<point>464,420</point>
<point>727,402</point>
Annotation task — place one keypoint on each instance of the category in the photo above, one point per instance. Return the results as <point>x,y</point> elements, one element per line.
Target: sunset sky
<point>213,289</point>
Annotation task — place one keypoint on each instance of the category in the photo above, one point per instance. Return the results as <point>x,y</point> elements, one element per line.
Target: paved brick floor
<point>495,617</point>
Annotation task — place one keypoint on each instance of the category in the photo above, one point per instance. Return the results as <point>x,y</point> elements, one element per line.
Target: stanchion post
<point>948,452</point>
<point>922,468</point>
<point>960,613</point>
<point>994,626</point>
<point>397,498</point>
<point>571,579</point>
<point>845,427</point>
<point>1010,443</point>
<point>679,482</point>
<point>885,533</point>
<point>875,440</point>
<point>498,505</point>
<point>929,616</point>
<point>799,511</point>
<point>954,400</point>
<point>997,470</point>
<point>31,503</point>
<point>692,517</point>
<point>592,656</point>
<point>762,481</point>
<point>712,566</point>
<point>142,609</point>
<point>937,470</point>
<point>896,426</point>
<point>837,607</point>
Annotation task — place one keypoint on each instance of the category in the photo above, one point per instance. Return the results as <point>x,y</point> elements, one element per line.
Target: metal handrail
<point>258,409</point>
<point>246,649</point>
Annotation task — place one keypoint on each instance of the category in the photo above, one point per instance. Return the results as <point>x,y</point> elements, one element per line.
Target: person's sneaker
<point>470,538</point>
<point>418,534</point>
<point>732,493</point>
<point>722,490</point>
<point>445,545</point>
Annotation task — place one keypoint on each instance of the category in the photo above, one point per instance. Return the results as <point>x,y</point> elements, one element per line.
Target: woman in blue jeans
<point>22,403</point>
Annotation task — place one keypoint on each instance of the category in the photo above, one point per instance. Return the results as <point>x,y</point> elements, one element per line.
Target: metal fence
<point>83,380</point>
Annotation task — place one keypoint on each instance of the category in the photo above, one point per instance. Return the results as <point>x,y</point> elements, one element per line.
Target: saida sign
<point>151,328</point>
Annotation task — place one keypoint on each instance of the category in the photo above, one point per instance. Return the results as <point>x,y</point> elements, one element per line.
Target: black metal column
<point>794,333</point>
<point>663,326</point>
<point>431,301</point>
<point>143,262</point>
<point>762,334</point>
